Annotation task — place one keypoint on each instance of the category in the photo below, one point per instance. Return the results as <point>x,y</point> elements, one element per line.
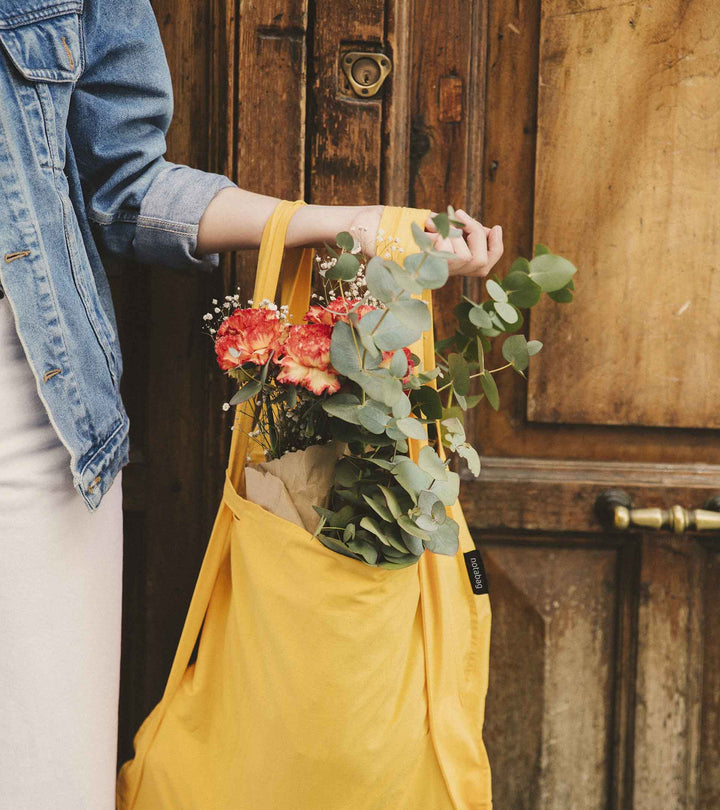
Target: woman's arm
<point>235,219</point>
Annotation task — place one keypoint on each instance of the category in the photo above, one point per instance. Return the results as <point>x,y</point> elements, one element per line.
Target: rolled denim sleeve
<point>139,204</point>
<point>167,226</point>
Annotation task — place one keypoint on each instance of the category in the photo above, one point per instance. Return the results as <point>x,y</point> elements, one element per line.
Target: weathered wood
<point>447,125</point>
<point>555,495</point>
<point>395,173</point>
<point>626,185</point>
<point>669,665</point>
<point>175,405</point>
<point>709,768</point>
<point>508,178</point>
<point>549,707</point>
<point>345,132</point>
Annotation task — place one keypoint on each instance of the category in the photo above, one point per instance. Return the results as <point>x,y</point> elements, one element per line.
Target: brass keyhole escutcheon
<point>366,71</point>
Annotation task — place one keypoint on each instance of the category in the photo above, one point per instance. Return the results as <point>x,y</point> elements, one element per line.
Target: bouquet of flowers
<point>337,398</point>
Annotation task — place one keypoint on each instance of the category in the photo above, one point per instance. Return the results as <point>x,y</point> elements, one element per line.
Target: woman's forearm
<point>235,219</point>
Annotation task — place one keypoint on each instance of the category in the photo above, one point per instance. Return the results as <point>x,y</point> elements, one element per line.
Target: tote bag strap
<point>297,267</point>
<point>297,287</point>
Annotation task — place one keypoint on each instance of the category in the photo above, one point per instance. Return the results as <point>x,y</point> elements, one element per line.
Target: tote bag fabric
<point>320,683</point>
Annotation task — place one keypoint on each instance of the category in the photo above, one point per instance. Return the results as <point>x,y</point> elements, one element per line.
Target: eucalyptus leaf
<point>427,500</point>
<point>411,312</point>
<point>489,387</point>
<point>344,353</point>
<point>551,272</point>
<point>401,407</point>
<point>495,291</point>
<point>388,333</point>
<point>507,312</point>
<point>366,550</point>
<point>432,464</point>
<point>448,490</point>
<point>520,264</point>
<point>422,240</point>
<point>380,281</point>
<point>346,473</point>
<point>563,296</point>
<point>404,278</point>
<point>336,545</point>
<point>376,504</point>
<point>412,428</point>
<point>345,240</point>
<point>411,527</point>
<point>478,317</point>
<point>399,364</point>
<point>459,373</point>
<point>469,453</point>
<point>391,500</point>
<point>248,391</point>
<point>372,417</point>
<point>515,351</point>
<point>411,478</point>
<point>428,400</point>
<point>430,270</point>
<point>343,406</point>
<point>345,268</point>
<point>534,347</point>
<point>445,540</point>
<point>414,544</point>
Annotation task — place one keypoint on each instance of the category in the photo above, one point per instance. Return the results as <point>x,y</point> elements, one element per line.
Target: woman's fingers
<point>476,251</point>
<point>495,245</point>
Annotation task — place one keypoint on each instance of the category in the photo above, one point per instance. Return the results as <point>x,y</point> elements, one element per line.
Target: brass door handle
<point>615,511</point>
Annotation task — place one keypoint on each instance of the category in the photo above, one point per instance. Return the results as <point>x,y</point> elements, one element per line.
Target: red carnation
<point>336,310</point>
<point>305,359</point>
<point>248,336</point>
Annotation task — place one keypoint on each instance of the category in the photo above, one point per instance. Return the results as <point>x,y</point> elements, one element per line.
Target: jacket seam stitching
<point>41,14</point>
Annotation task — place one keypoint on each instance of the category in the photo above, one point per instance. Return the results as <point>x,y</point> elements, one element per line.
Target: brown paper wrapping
<point>289,486</point>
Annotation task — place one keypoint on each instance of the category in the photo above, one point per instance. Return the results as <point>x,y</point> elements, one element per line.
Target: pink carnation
<point>305,359</point>
<point>248,336</point>
<point>336,310</point>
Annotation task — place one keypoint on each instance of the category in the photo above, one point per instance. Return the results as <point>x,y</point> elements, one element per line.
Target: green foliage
<point>385,509</point>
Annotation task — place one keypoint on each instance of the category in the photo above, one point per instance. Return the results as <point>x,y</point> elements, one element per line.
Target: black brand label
<point>476,572</point>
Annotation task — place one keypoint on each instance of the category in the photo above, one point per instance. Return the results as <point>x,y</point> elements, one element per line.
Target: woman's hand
<point>476,251</point>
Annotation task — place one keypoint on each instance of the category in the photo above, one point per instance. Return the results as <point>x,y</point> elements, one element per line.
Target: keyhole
<point>366,71</point>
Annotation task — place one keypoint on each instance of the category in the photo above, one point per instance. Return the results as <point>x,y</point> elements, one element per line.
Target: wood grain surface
<point>626,184</point>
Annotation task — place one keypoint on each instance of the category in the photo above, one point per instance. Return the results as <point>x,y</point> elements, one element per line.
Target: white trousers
<point>60,610</point>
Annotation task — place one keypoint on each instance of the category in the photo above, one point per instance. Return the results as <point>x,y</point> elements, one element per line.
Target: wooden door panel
<point>508,171</point>
<point>626,181</point>
<point>550,700</point>
<point>709,765</point>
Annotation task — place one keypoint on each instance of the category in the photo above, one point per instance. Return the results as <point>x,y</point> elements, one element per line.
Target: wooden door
<point>590,127</point>
<point>601,141</point>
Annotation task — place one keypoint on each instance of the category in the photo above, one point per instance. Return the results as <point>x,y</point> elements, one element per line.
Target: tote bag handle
<point>296,285</point>
<point>296,290</point>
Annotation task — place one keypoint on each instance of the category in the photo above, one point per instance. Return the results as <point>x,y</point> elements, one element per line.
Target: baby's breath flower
<point>226,406</point>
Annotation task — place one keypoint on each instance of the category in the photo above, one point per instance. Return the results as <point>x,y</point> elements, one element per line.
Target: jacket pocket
<point>44,48</point>
<point>43,40</point>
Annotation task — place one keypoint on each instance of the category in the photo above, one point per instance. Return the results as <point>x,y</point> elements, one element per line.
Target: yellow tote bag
<point>320,682</point>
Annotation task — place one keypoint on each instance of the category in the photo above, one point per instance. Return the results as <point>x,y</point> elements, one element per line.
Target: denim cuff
<point>170,211</point>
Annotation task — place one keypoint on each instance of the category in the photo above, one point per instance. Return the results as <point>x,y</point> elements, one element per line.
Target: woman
<point>82,169</point>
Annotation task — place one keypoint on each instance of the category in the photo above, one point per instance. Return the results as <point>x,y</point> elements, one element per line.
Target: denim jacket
<point>85,104</point>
